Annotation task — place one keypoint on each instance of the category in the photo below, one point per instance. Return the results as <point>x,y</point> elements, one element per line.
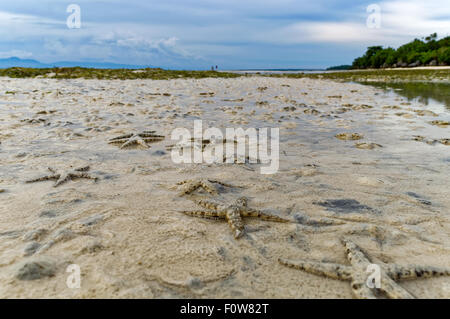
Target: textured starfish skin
<point>64,176</point>
<point>357,274</point>
<point>233,214</point>
<point>136,139</point>
<point>189,186</point>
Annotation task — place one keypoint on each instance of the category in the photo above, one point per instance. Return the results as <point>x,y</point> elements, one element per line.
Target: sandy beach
<point>355,162</point>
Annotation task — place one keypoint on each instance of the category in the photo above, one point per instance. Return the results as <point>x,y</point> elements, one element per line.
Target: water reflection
<point>420,91</point>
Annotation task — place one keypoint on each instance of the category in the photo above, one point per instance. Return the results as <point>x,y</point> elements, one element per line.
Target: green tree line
<point>426,52</point>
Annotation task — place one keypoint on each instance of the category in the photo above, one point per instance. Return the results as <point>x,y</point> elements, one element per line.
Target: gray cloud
<point>197,33</point>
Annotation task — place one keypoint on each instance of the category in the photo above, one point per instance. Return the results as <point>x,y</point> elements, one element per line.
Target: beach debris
<point>349,136</point>
<point>232,213</point>
<point>357,274</point>
<point>62,177</point>
<point>212,186</point>
<point>133,139</point>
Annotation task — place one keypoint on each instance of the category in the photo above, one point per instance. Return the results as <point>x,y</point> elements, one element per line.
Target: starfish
<point>63,176</point>
<point>136,139</point>
<point>193,143</point>
<point>233,214</point>
<point>357,273</point>
<point>191,185</point>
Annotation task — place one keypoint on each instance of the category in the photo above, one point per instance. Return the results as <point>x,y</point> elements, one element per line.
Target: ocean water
<point>424,92</point>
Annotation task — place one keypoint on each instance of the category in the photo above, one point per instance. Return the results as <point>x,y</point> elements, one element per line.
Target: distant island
<point>29,63</point>
<point>426,52</point>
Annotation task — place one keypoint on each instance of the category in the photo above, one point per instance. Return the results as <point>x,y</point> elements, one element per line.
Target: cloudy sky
<point>199,33</point>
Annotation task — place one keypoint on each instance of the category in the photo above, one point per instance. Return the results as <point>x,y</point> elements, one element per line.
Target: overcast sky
<point>199,33</point>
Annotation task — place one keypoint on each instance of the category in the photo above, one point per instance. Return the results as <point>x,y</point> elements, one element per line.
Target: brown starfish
<point>357,273</point>
<point>63,176</point>
<point>136,139</point>
<point>208,185</point>
<point>233,214</point>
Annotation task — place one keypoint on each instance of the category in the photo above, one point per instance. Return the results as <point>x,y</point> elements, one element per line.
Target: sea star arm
<point>84,175</point>
<point>77,173</point>
<point>397,272</point>
<point>209,187</point>
<point>122,137</point>
<point>393,290</point>
<point>355,255</point>
<point>207,204</point>
<point>205,214</point>
<point>188,186</point>
<point>234,219</point>
<point>62,179</point>
<point>221,183</point>
<point>117,141</point>
<point>44,178</point>
<point>152,139</point>
<point>147,133</point>
<point>248,212</point>
<point>331,270</point>
<point>322,221</point>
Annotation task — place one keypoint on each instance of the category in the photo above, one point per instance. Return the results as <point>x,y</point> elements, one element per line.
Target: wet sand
<point>368,160</point>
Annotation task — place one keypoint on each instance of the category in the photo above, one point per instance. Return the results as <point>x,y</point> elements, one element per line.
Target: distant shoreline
<point>417,74</point>
<point>445,67</point>
<point>296,71</point>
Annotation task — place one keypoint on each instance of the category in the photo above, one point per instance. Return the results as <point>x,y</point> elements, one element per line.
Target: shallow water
<point>423,92</point>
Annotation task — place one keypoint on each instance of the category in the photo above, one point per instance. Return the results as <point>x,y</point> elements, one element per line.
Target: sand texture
<point>356,162</point>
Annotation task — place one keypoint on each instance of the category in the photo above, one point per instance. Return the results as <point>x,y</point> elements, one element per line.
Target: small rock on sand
<point>36,269</point>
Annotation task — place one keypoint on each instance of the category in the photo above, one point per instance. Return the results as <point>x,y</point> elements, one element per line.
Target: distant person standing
<point>217,67</point>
